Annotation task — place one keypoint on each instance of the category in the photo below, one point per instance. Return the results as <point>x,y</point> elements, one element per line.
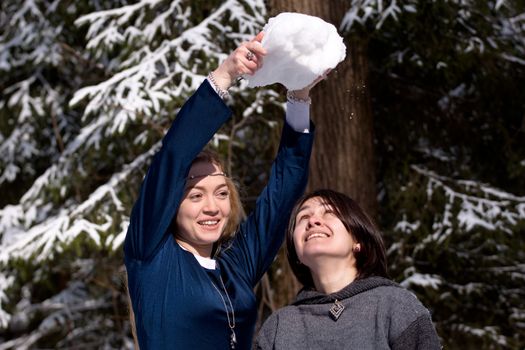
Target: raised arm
<point>261,235</point>
<point>196,123</point>
<point>162,188</point>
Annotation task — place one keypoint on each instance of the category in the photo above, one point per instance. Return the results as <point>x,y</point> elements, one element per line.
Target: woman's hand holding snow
<point>304,93</point>
<point>301,49</point>
<point>246,59</point>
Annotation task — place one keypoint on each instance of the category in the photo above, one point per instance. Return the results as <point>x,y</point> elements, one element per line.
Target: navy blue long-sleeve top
<point>175,304</point>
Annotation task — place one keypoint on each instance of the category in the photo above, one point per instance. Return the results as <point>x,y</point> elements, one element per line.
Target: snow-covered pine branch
<point>479,206</point>
<point>462,248</point>
<point>374,11</point>
<point>5,283</point>
<point>160,71</point>
<point>28,43</point>
<point>27,35</point>
<point>497,27</point>
<point>469,206</point>
<point>150,55</point>
<point>68,307</point>
<point>28,232</point>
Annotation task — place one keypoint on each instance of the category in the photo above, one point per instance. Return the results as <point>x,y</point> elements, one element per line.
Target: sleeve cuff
<point>298,116</point>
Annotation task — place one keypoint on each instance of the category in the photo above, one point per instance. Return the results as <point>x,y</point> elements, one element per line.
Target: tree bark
<point>343,156</point>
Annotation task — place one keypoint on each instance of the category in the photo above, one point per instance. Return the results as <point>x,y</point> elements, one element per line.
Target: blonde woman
<point>192,259</point>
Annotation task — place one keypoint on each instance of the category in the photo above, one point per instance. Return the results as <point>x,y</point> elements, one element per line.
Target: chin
<point>211,237</point>
<point>315,252</point>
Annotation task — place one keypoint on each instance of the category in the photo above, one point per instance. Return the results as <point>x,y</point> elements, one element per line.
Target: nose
<point>314,221</point>
<point>210,206</point>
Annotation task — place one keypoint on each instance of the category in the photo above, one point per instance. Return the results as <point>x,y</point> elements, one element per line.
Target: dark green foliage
<point>443,113</point>
<point>478,297</point>
<point>459,114</point>
<point>68,292</point>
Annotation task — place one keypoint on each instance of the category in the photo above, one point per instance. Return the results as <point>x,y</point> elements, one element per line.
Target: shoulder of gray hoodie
<point>378,314</point>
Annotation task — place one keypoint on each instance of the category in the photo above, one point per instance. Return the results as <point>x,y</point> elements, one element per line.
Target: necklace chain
<point>231,322</point>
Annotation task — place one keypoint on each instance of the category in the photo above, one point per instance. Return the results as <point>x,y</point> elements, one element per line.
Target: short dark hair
<point>370,260</point>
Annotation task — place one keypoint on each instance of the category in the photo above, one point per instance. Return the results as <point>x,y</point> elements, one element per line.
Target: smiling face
<point>319,233</point>
<point>204,210</point>
<point>339,231</point>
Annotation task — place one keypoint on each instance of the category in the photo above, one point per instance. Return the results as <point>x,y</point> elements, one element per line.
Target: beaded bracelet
<point>292,98</point>
<point>222,93</point>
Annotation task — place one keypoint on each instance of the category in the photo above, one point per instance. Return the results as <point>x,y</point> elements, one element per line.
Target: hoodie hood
<point>305,297</point>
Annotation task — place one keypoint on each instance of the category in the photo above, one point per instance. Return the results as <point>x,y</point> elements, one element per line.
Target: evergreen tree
<point>89,89</point>
<point>446,80</point>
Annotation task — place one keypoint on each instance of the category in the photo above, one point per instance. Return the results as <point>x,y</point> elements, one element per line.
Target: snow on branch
<point>506,33</point>
<point>513,30</point>
<point>378,11</point>
<point>480,205</point>
<point>28,37</point>
<point>28,49</point>
<point>64,309</point>
<point>20,146</point>
<point>145,78</point>
<point>420,279</point>
<point>56,173</point>
<point>5,283</point>
<point>41,239</point>
<point>513,59</point>
<point>111,26</point>
<point>496,27</point>
<point>487,331</point>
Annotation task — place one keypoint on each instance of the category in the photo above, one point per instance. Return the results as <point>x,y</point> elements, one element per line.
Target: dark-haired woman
<point>191,258</point>
<point>347,301</point>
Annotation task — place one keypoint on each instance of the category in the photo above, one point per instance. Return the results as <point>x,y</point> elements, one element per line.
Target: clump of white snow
<point>300,49</point>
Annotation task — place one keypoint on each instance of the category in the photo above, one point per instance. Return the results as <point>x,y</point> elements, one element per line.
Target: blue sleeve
<point>163,187</point>
<point>260,236</point>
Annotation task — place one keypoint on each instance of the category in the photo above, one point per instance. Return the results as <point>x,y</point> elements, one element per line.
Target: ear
<point>357,248</point>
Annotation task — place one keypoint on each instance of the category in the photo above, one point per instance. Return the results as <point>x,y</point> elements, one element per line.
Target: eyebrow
<point>304,207</point>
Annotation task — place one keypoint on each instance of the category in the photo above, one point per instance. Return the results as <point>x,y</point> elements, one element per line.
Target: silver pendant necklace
<point>231,321</point>
<point>336,310</point>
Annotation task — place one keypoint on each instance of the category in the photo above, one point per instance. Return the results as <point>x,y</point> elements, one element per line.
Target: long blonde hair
<point>131,314</point>
<point>236,216</point>
<point>237,210</point>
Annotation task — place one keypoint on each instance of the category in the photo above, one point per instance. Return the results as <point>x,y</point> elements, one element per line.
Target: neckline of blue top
<point>207,263</point>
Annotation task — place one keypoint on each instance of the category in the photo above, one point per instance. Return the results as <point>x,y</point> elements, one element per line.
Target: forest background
<point>424,124</point>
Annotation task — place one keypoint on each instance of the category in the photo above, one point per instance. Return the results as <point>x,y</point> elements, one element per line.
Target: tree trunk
<point>343,156</point>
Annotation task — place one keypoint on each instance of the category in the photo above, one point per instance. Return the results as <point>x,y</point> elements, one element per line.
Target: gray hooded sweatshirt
<point>376,314</point>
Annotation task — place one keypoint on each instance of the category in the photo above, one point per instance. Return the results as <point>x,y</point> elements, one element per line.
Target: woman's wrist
<point>219,87</point>
<point>298,96</point>
<point>223,78</point>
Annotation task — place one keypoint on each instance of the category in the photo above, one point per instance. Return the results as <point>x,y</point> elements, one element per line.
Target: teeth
<point>209,222</point>
<point>315,235</point>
